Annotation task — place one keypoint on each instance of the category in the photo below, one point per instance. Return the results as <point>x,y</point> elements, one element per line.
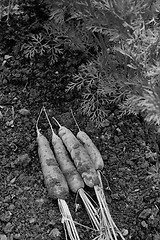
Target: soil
<point>129,148</point>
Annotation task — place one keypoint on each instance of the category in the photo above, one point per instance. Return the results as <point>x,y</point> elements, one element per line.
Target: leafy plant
<point>8,8</point>
<point>37,45</point>
<point>154,174</point>
<point>55,38</point>
<point>94,84</point>
<point>132,36</point>
<point>143,53</point>
<point>124,36</point>
<point>148,104</point>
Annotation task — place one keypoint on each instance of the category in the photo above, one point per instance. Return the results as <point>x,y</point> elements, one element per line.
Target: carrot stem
<point>37,129</point>
<point>75,120</point>
<point>59,125</point>
<point>91,210</point>
<point>67,220</point>
<point>108,225</point>
<point>48,120</point>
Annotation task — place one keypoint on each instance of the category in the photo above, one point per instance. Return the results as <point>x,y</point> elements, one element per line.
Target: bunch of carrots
<point>75,162</point>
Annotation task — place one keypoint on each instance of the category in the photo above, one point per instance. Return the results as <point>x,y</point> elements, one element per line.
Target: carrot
<point>107,222</point>
<point>55,183</point>
<point>90,147</point>
<point>74,180</point>
<point>79,155</point>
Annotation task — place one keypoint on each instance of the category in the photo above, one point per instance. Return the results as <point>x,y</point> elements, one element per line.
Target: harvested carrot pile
<point>77,161</point>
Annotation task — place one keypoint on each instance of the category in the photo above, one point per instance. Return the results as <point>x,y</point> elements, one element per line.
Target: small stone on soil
<point>115,196</point>
<point>144,224</point>
<point>32,220</point>
<point>124,232</point>
<point>51,214</point>
<point>7,198</point>
<point>22,160</point>
<point>24,112</point>
<point>8,228</point>
<point>40,201</point>
<point>17,236</point>
<point>156,236</point>
<point>145,213</point>
<point>116,139</point>
<point>3,237</point>
<point>10,123</point>
<point>129,162</point>
<point>55,234</point>
<point>11,206</point>
<point>5,217</point>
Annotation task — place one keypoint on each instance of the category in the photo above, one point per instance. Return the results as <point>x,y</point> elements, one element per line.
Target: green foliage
<point>132,36</point>
<point>45,44</point>
<point>37,45</point>
<point>142,49</point>
<point>99,88</point>
<point>56,36</point>
<point>154,174</point>
<point>94,91</point>
<point>124,68</point>
<point>8,7</point>
<point>148,104</point>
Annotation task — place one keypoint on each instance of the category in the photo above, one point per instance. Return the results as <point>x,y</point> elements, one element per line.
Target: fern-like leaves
<point>37,45</point>
<point>148,104</point>
<point>95,87</point>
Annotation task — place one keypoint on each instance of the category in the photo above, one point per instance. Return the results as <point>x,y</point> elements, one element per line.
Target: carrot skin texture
<point>81,158</point>
<point>91,149</point>
<point>74,180</point>
<point>55,182</point>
